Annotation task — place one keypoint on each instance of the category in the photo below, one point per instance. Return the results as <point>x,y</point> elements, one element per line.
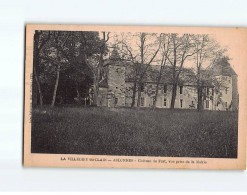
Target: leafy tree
<point>40,39</point>
<point>94,52</point>
<point>64,52</point>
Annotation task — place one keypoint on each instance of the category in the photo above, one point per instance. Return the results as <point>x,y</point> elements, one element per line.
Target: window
<point>224,78</point>
<point>212,92</point>
<point>153,100</point>
<point>142,87</point>
<point>207,103</point>
<point>226,90</point>
<point>226,104</point>
<point>181,89</point>
<point>207,91</point>
<point>165,88</point>
<point>181,103</point>
<point>192,102</point>
<point>116,101</point>
<point>142,101</point>
<point>164,103</point>
<point>229,80</point>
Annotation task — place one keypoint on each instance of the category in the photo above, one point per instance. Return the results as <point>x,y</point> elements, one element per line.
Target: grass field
<point>123,131</point>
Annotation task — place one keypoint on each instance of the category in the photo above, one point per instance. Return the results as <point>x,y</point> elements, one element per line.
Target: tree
<point>65,52</point>
<point>76,69</point>
<point>141,55</point>
<point>95,61</point>
<point>165,51</point>
<point>60,41</point>
<point>183,47</point>
<point>219,64</point>
<point>208,49</point>
<point>40,39</point>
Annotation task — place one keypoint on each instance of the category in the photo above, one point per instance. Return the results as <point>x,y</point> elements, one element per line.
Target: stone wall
<point>116,86</point>
<point>119,93</point>
<point>188,96</point>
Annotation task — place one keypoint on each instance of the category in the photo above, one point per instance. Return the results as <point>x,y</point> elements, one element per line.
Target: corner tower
<point>116,81</point>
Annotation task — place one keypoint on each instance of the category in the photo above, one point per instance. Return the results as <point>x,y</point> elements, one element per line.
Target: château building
<point>116,89</point>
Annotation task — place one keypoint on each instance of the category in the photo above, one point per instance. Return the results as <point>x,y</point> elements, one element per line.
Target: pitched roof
<point>187,76</point>
<point>223,68</point>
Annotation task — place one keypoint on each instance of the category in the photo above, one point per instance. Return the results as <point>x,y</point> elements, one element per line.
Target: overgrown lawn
<point>124,131</point>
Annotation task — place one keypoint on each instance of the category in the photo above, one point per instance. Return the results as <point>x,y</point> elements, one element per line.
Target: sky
<point>229,43</point>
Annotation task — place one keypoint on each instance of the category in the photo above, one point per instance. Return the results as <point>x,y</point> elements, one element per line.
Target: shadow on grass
<point>132,132</point>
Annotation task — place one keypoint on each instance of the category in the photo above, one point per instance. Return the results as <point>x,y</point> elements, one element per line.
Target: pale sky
<point>225,40</point>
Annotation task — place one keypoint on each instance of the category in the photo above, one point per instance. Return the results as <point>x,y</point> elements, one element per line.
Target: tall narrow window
<point>181,89</point>
<point>142,101</point>
<point>226,104</point>
<point>207,103</point>
<point>164,102</point>
<point>207,90</point>
<point>165,88</point>
<point>116,101</point>
<point>226,90</point>
<point>142,87</point>
<point>212,92</point>
<point>153,100</point>
<point>181,103</point>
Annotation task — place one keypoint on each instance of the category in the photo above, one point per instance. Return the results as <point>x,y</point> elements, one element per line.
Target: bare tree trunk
<point>96,91</point>
<point>38,85</point>
<point>134,95</point>
<point>139,96</point>
<point>79,98</point>
<point>174,94</point>
<point>199,88</point>
<point>35,64</point>
<point>199,98</point>
<point>55,88</point>
<point>156,95</point>
<point>157,88</point>
<point>35,92</point>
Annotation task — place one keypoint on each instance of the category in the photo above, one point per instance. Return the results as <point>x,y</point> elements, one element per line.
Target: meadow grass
<point>132,132</point>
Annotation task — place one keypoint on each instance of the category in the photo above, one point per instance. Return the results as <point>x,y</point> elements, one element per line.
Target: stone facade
<point>118,91</point>
<point>112,92</point>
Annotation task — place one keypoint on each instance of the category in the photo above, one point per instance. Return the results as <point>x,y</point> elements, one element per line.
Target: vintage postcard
<point>135,97</point>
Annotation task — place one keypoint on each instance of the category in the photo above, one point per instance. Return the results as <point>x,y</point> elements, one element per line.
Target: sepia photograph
<point>123,96</point>
<point>133,94</point>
